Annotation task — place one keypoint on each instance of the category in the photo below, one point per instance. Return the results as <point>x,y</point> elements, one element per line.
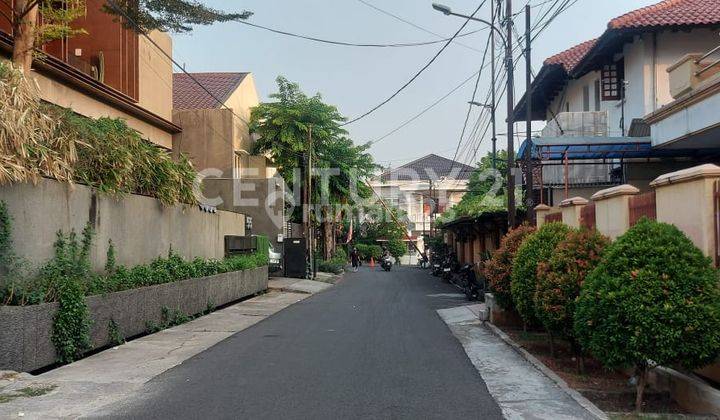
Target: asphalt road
<point>372,347</point>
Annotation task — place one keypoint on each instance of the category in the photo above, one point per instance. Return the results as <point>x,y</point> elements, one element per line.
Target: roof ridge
<point>618,22</point>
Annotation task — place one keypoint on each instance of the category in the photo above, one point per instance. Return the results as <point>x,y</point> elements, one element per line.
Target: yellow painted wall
<point>156,75</point>
<point>65,96</point>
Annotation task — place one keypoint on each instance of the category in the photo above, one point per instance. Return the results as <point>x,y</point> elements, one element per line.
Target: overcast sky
<point>357,79</point>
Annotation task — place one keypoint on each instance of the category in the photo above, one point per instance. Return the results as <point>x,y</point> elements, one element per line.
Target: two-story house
<point>603,98</point>
<point>213,110</point>
<point>422,189</point>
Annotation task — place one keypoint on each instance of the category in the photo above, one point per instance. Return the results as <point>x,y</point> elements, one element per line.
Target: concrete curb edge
<point>575,395</point>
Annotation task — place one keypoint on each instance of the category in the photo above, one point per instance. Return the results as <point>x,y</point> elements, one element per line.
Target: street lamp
<point>507,42</point>
<point>442,8</point>
<point>447,11</point>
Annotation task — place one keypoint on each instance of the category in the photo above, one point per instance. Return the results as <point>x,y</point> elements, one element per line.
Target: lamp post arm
<point>489,24</point>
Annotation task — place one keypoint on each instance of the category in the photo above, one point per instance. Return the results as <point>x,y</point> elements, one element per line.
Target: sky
<point>357,79</point>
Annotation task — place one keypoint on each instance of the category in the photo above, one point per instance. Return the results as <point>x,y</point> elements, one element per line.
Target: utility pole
<point>528,121</point>
<point>492,82</point>
<point>510,119</point>
<point>306,204</point>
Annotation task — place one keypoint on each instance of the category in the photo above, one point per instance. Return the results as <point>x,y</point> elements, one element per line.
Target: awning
<point>588,148</point>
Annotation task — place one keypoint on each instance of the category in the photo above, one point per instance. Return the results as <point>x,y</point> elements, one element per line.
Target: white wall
<point>647,59</point>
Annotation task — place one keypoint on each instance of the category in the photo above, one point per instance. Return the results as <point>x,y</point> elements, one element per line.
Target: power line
<point>470,105</point>
<point>425,110</point>
<point>352,44</point>
<point>425,67</point>
<point>414,25</point>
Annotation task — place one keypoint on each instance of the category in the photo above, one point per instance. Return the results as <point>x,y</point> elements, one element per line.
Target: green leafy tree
<point>653,297</point>
<point>285,127</point>
<point>535,249</point>
<point>560,280</point>
<point>498,270</point>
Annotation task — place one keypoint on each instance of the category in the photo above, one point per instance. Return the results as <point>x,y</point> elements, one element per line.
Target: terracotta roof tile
<point>670,13</point>
<point>187,94</point>
<point>571,57</point>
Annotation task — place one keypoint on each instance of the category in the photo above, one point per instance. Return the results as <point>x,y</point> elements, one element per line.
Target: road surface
<point>372,347</point>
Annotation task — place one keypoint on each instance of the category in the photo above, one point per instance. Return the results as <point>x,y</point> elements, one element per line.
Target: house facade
<point>213,110</point>
<point>604,99</point>
<point>422,189</point>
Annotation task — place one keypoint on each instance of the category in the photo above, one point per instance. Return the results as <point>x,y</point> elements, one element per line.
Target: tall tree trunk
<point>328,232</point>
<point>579,356</point>
<point>641,383</point>
<point>24,33</point>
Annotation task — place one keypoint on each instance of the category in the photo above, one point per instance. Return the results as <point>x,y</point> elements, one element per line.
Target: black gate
<point>295,262</point>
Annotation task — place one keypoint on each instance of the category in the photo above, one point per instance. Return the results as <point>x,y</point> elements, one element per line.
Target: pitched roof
<point>431,166</point>
<point>670,13</point>
<point>572,56</point>
<point>188,94</point>
<point>666,14</point>
<point>550,79</point>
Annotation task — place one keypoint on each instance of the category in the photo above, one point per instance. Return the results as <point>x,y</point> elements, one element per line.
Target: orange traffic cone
<point>372,262</point>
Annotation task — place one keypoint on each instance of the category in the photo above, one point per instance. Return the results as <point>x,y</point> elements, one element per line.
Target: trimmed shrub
<point>498,270</point>
<point>335,265</point>
<point>654,296</point>
<point>560,280</point>
<point>535,249</point>
<point>367,251</point>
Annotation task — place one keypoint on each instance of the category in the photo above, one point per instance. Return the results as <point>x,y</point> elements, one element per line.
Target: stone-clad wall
<point>25,331</point>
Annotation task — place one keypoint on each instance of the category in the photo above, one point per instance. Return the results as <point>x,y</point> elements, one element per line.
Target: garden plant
<point>653,299</point>
<point>498,270</point>
<point>560,280</point>
<point>535,249</point>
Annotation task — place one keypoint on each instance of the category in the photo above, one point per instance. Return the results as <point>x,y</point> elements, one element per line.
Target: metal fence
<point>577,124</point>
<point>553,217</point>
<point>642,205</point>
<point>587,216</point>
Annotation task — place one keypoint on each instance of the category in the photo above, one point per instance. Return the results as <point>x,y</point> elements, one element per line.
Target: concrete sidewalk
<point>285,284</point>
<point>521,390</point>
<point>82,387</point>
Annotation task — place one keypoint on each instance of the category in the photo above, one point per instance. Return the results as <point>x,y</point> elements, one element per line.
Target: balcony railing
<point>577,124</point>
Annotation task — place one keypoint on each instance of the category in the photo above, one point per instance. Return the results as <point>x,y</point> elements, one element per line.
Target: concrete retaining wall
<point>140,227</point>
<point>25,331</point>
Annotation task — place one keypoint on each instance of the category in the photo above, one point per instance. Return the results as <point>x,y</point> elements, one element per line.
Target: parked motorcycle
<point>473,286</point>
<point>449,267</point>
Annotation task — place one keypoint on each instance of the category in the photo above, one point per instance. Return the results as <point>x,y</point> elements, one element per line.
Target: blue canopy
<point>586,148</point>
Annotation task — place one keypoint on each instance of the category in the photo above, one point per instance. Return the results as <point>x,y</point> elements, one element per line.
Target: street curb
<point>584,402</point>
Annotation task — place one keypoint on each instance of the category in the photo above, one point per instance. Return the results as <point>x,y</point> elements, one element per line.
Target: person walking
<point>355,259</point>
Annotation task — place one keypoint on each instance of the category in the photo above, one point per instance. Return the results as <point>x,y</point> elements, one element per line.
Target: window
<point>612,81</point>
<point>597,95</point>
<point>586,98</point>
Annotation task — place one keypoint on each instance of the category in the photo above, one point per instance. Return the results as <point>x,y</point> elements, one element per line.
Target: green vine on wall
<point>115,335</point>
<point>65,276</point>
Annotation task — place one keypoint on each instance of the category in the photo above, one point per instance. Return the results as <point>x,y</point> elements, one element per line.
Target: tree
<point>560,280</point>
<point>535,248</point>
<point>653,297</point>
<point>486,190</point>
<point>484,180</point>
<point>36,22</point>
<point>499,269</point>
<point>285,127</point>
